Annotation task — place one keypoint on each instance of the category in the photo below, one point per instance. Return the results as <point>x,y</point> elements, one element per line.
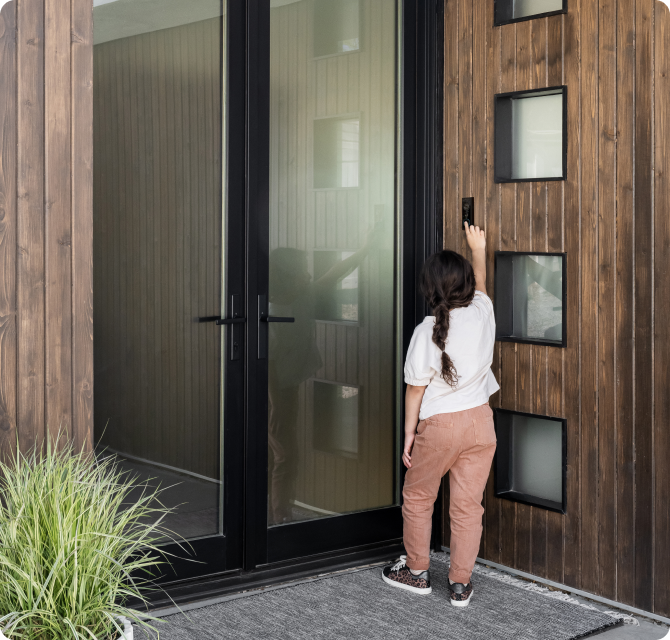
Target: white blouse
<point>472,334</point>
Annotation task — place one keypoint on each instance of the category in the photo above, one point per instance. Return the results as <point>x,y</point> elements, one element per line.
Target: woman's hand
<point>476,238</point>
<point>407,450</point>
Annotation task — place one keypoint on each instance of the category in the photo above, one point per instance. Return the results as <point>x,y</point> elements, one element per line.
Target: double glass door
<point>247,269</point>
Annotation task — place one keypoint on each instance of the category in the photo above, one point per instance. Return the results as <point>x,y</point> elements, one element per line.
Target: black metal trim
<point>332,533</point>
<point>501,465</point>
<point>563,343</point>
<point>503,133</point>
<point>535,16</point>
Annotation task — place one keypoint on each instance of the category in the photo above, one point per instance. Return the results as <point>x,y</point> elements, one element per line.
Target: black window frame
<point>501,300</point>
<point>503,133</point>
<point>501,6</point>
<point>502,466</point>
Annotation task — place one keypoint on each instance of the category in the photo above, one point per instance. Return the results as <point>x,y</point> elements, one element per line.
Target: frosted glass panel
<point>538,289</point>
<point>537,454</point>
<point>332,255</point>
<point>526,8</point>
<point>537,125</point>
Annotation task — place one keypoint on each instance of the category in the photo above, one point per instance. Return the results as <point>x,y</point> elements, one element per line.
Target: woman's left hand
<point>407,451</point>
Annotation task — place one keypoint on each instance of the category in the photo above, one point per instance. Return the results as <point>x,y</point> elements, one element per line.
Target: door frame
<point>247,207</point>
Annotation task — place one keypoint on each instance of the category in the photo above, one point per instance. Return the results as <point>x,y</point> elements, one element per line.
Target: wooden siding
<point>304,89</point>
<point>610,216</point>
<point>46,333</point>
<point>157,203</point>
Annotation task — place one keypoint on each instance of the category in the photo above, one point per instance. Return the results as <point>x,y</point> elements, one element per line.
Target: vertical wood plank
<point>492,71</point>
<point>661,327</point>
<point>451,125</point>
<point>508,381</point>
<point>465,110</point>
<point>8,208</point>
<point>82,224</point>
<point>573,226</point>
<point>524,361</point>
<point>30,228</point>
<point>607,215</point>
<point>589,294</point>
<point>554,242</point>
<point>58,232</point>
<point>625,287</point>
<point>643,225</point>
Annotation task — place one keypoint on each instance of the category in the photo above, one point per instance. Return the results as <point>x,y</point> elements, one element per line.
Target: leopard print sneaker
<point>460,594</point>
<point>399,575</point>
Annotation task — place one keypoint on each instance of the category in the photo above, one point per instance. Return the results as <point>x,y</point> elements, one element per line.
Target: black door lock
<point>468,211</point>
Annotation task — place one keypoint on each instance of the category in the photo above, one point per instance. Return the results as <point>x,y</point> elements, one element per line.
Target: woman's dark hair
<point>447,282</point>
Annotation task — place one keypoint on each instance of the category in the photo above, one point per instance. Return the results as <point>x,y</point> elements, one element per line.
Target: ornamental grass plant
<point>72,544</point>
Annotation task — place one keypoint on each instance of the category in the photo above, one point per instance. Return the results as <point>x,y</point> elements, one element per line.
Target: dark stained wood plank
<point>82,224</point>
<point>8,221</point>
<point>465,109</point>
<point>644,388</point>
<point>607,208</point>
<point>524,352</point>
<point>492,70</point>
<point>58,233</point>
<point>480,109</point>
<point>451,126</point>
<point>508,371</point>
<point>661,326</point>
<point>572,381</point>
<point>589,295</point>
<point>625,287</point>
<point>30,229</point>
<point>538,233</point>
<point>555,357</point>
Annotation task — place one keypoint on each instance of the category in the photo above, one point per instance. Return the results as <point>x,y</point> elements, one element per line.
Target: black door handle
<point>275,319</point>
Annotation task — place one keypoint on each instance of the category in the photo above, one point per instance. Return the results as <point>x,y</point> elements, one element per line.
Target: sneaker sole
<point>400,585</point>
<point>462,603</point>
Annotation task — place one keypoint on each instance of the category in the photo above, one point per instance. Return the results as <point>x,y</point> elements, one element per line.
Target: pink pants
<point>463,444</point>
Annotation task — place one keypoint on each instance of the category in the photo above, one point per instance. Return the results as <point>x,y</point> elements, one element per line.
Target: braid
<point>440,332</point>
<point>447,283</point>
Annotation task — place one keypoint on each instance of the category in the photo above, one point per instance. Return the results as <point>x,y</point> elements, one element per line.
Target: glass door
<point>329,291</point>
<point>167,372</point>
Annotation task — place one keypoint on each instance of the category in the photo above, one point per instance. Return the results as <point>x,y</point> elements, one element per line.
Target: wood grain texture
<point>58,234</point>
<point>624,297</point>
<point>82,224</point>
<point>609,217</point>
<point>644,341</point>
<point>8,224</point>
<point>661,327</point>
<point>607,207</point>
<point>30,229</point>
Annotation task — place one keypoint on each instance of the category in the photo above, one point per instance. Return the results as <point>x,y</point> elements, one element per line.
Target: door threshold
<point>208,591</point>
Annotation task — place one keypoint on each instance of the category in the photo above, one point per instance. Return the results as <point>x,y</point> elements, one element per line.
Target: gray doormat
<point>360,605</point>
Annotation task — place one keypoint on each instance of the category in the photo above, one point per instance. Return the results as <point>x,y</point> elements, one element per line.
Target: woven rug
<point>360,605</point>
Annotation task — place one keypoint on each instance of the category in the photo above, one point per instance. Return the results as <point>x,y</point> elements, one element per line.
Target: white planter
<point>127,630</point>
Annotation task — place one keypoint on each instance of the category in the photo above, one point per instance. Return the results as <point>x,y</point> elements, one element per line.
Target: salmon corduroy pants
<point>463,444</point>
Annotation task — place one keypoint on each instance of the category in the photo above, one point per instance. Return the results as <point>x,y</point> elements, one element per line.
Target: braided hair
<point>447,282</point>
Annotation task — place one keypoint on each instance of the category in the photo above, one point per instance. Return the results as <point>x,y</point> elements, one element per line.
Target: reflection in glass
<point>332,258</point>
<point>537,456</point>
<point>537,125</point>
<point>538,291</point>
<point>157,248</point>
<point>336,26</point>
<point>336,152</point>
